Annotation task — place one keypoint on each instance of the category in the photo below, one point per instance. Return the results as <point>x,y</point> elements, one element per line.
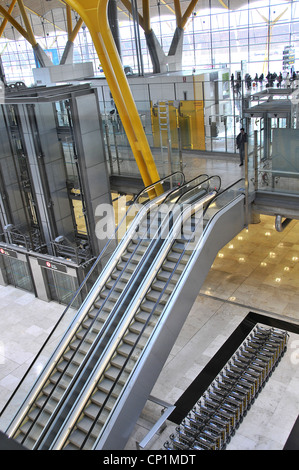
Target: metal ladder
<point>164,127</point>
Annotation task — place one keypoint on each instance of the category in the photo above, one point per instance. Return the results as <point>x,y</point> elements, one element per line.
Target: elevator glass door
<point>17,273</point>
<point>62,287</point>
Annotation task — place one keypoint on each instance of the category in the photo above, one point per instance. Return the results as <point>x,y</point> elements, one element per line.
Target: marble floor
<point>258,271</point>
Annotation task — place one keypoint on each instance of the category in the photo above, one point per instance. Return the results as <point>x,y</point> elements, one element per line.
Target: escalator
<point>110,402</point>
<point>84,342</point>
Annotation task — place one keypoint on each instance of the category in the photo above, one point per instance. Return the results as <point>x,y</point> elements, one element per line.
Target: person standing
<point>240,141</point>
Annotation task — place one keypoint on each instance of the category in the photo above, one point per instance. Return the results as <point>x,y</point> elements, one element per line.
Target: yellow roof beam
<point>5,20</point>
<point>188,12</point>
<point>28,27</point>
<point>144,21</point>
<point>14,23</point>
<point>72,33</point>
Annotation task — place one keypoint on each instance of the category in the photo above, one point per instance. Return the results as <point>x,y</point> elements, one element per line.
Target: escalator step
<point>176,257</point>
<point>40,419</point>
<point>35,431</point>
<point>119,361</point>
<point>89,338</point>
<point>124,349</point>
<point>70,446</point>
<point>94,326</point>
<point>76,358</point>
<point>113,296</point>
<point>135,258</point>
<point>80,346</point>
<point>67,368</point>
<point>130,338</point>
<point>112,373</point>
<point>178,247</point>
<point>136,327</point>
<point>102,303</point>
<point>155,296</point>
<point>51,403</point>
<point>168,265</point>
<point>77,438</point>
<point>164,276</point>
<point>61,378</point>
<point>126,276</point>
<point>99,398</point>
<point>149,306</point>
<point>140,250</point>
<point>143,316</point>
<point>118,286</point>
<point>85,424</point>
<point>55,392</point>
<point>106,384</point>
<point>128,267</point>
<point>160,285</point>
<point>101,315</point>
<point>28,443</point>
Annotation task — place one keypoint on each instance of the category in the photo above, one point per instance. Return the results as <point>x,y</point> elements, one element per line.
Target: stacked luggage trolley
<point>219,412</point>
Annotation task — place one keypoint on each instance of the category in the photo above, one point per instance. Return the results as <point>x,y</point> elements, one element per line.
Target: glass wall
<point>217,34</point>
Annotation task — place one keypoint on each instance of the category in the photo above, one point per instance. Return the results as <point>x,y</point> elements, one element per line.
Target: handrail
<point>155,306</point>
<point>110,316</point>
<point>188,183</point>
<point>159,261</point>
<point>145,288</point>
<point>100,335</point>
<point>78,319</point>
<point>66,344</point>
<point>95,343</point>
<point>178,222</point>
<point>76,295</point>
<point>161,181</point>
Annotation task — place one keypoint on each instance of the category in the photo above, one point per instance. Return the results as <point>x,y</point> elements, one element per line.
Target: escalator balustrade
<point>138,326</point>
<point>45,404</point>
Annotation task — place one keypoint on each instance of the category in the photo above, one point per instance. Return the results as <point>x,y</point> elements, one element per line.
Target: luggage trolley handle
<point>241,398</point>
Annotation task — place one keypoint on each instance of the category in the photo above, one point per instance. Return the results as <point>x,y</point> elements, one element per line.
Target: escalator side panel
<point>227,223</point>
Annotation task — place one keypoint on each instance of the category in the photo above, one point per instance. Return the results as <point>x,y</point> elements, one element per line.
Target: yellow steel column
<point>94,15</point>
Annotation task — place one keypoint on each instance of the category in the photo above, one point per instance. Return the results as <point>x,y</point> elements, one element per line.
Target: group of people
<point>289,79</point>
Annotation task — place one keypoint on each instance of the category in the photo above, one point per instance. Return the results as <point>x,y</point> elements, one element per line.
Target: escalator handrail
<point>53,362</point>
<point>76,322</point>
<point>71,357</point>
<point>109,347</point>
<point>153,310</point>
<point>187,184</point>
<point>100,335</point>
<point>161,181</point>
<point>207,180</point>
<point>144,210</point>
<point>156,303</point>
